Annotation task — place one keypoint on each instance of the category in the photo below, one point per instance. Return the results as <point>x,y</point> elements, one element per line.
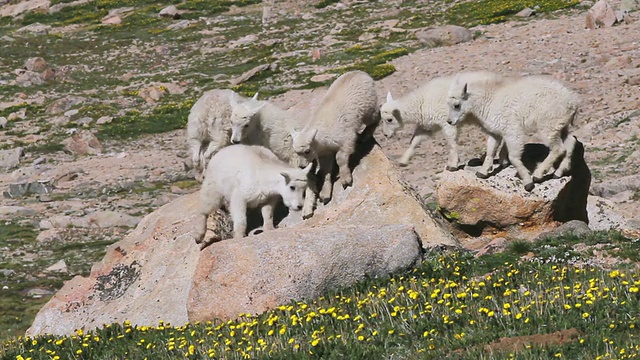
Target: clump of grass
<point>483,12</point>
<point>169,116</point>
<point>324,3</point>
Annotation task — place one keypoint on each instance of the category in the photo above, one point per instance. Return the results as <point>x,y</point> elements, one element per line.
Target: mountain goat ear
<point>313,134</point>
<point>389,97</point>
<point>286,177</point>
<point>465,94</point>
<point>307,169</point>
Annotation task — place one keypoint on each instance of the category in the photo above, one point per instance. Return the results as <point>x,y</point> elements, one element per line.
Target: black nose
<point>449,122</point>
<point>235,142</point>
<point>299,207</point>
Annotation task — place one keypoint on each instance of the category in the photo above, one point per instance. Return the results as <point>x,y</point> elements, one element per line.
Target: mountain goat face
<point>242,118</point>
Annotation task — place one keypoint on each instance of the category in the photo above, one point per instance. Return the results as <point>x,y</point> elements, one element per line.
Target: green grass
<point>483,12</point>
<point>451,306</point>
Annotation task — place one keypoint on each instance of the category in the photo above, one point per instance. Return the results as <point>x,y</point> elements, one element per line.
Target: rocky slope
<point>100,118</point>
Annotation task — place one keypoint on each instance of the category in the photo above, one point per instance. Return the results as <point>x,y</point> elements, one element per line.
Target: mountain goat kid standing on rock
<point>208,127</point>
<point>426,107</point>
<point>509,109</point>
<point>350,103</point>
<point>248,176</point>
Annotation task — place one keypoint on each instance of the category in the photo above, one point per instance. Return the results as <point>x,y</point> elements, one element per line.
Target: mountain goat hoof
<point>481,175</point>
<point>528,187</point>
<point>452,168</point>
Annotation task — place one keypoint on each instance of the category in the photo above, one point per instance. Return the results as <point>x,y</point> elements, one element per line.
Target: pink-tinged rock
<point>143,278</point>
<point>259,273</point>
<point>82,143</point>
<point>444,36</point>
<point>601,14</point>
<point>499,205</point>
<point>24,6</point>
<point>112,20</point>
<point>36,64</point>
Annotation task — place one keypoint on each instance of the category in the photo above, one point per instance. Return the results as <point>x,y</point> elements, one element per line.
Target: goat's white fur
<point>249,176</point>
<point>349,104</point>
<point>426,107</point>
<point>512,108</point>
<point>208,127</point>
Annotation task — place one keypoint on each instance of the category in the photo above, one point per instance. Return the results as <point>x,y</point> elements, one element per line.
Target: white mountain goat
<point>209,127</point>
<point>512,108</point>
<point>249,176</point>
<point>349,104</point>
<point>426,107</point>
<point>258,122</point>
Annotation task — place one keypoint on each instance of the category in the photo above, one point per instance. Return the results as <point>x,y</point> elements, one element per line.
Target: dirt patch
<point>518,343</point>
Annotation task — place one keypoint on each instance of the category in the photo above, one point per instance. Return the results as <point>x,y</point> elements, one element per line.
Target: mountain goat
<point>426,107</point>
<point>349,104</point>
<point>249,176</point>
<point>208,127</point>
<point>512,108</point>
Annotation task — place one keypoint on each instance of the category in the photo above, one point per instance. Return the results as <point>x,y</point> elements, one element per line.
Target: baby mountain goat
<point>426,107</point>
<point>349,104</point>
<point>249,176</point>
<point>510,109</point>
<point>209,127</point>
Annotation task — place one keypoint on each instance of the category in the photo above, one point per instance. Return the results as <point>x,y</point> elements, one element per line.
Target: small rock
<point>36,64</point>
<point>10,211</point>
<point>170,12</point>
<point>38,293</point>
<point>23,189</point>
<point>24,6</point>
<point>496,245</point>
<point>84,121</point>
<point>107,219</point>
<point>83,143</point>
<point>322,77</point>
<point>601,14</point>
<point>63,104</point>
<point>10,158</point>
<point>249,74</point>
<point>3,122</point>
<point>526,12</point>
<point>112,20</point>
<point>70,113</point>
<point>104,120</point>
<point>35,29</point>
<point>28,78</point>
<point>48,75</point>
<point>366,37</point>
<point>152,94</point>
<point>182,24</point>
<point>18,115</point>
<point>444,36</point>
<point>59,267</point>
<point>249,39</point>
<point>573,227</point>
<point>7,272</point>
<point>316,54</point>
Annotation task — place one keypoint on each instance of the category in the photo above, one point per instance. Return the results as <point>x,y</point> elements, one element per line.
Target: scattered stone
<point>84,121</point>
<point>38,293</point>
<point>322,77</point>
<point>48,75</point>
<point>496,245</point>
<point>615,186</point>
<point>83,142</point>
<point>526,12</point>
<point>104,120</point>
<point>58,7</point>
<point>249,74</point>
<point>603,215</point>
<point>10,158</point>
<point>366,36</point>
<point>111,20</point>
<point>182,24</point>
<point>249,39</point>
<point>630,5</point>
<point>36,64</point>
<point>59,267</point>
<point>152,93</point>
<point>18,115</point>
<point>444,36</point>
<point>601,14</point>
<point>23,189</point>
<point>573,227</point>
<point>7,272</point>
<point>28,78</point>
<point>24,6</point>
<point>316,54</point>
<point>71,112</point>
<point>7,211</point>
<point>63,104</point>
<point>108,219</point>
<point>35,29</point>
<point>3,122</point>
<point>170,12</point>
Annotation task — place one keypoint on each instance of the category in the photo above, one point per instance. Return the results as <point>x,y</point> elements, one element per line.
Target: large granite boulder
<point>158,272</point>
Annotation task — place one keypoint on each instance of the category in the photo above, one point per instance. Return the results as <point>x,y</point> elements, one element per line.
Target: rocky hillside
<point>94,97</point>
